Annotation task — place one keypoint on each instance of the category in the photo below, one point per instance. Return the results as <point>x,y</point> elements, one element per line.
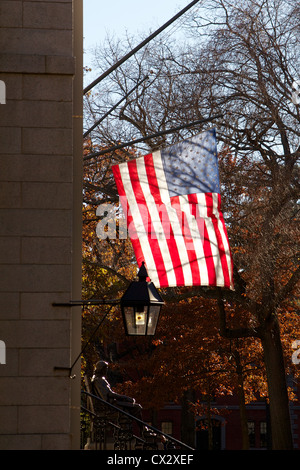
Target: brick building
<point>227,433</point>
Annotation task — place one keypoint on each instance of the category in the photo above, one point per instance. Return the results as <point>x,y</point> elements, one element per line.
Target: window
<point>167,427</point>
<point>203,442</point>
<point>263,434</point>
<point>251,433</point>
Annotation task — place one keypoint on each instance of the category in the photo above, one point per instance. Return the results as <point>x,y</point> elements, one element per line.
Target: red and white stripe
<point>183,239</point>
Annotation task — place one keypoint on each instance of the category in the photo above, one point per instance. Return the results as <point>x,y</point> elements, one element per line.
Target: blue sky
<point>115,17</point>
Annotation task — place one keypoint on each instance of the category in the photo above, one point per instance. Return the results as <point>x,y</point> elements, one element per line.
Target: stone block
<point>30,391</point>
<point>41,362</point>
<point>28,278</point>
<point>10,194</point>
<point>46,195</point>
<point>47,141</point>
<point>54,1</point>
<point>49,15</point>
<point>36,41</point>
<point>36,114</point>
<point>21,442</point>
<point>11,368</point>
<point>13,86</point>
<point>10,250</point>
<point>22,63</point>
<point>54,168</point>
<point>10,305</point>
<point>47,87</point>
<point>38,305</point>
<point>35,334</point>
<point>8,420</point>
<point>10,14</point>
<point>10,140</point>
<point>56,441</point>
<point>39,223</point>
<point>45,250</point>
<point>56,64</point>
<point>44,419</point>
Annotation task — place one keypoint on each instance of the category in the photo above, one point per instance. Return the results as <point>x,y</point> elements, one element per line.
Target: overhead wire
<point>164,34</point>
<point>113,107</point>
<point>157,134</point>
<point>137,48</point>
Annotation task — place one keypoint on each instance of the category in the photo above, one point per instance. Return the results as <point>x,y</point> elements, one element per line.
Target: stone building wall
<point>40,222</point>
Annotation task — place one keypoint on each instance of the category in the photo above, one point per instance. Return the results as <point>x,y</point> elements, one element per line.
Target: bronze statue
<point>101,387</point>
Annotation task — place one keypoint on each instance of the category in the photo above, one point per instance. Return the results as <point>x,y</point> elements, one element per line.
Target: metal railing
<point>105,426</point>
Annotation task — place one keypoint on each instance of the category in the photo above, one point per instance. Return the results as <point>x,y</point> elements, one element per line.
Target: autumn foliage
<point>211,342</point>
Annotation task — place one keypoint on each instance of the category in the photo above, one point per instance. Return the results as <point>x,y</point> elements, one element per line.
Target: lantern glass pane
<point>136,320</point>
<point>153,319</point>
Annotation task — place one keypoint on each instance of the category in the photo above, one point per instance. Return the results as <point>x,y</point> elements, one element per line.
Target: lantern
<point>141,305</point>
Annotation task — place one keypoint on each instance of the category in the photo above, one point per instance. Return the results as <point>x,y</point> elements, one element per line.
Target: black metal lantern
<point>141,305</point>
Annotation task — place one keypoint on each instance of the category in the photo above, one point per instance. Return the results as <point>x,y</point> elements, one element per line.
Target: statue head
<point>101,368</point>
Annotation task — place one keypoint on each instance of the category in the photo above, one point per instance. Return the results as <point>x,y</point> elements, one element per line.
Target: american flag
<point>171,200</point>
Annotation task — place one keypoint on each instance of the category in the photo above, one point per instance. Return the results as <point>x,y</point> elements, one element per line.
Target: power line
<point>142,139</point>
<point>114,107</point>
<point>137,48</point>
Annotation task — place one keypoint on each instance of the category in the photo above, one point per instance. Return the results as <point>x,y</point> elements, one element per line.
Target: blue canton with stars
<point>191,166</point>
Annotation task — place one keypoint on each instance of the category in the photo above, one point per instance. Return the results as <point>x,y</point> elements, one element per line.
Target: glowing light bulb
<point>140,318</point>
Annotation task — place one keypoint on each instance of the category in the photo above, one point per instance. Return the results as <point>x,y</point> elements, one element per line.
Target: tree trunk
<point>242,403</point>
<point>277,388</point>
<point>209,425</point>
<point>187,419</point>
